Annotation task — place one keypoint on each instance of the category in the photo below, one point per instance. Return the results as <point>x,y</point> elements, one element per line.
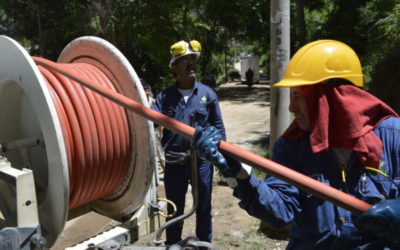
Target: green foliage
<point>389,25</point>
<point>47,25</point>
<point>377,23</point>
<point>5,23</point>
<point>385,80</point>
<point>144,29</point>
<point>371,27</point>
<point>315,20</point>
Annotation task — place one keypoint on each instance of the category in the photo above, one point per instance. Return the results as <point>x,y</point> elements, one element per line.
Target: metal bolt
<point>37,241</point>
<point>91,246</point>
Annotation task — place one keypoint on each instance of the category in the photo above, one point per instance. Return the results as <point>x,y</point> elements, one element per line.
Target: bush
<point>234,75</point>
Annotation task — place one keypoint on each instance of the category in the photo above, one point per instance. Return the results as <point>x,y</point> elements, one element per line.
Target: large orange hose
<point>297,179</point>
<point>95,132</point>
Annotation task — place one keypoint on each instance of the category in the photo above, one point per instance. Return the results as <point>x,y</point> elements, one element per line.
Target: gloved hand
<point>206,144</point>
<point>382,219</point>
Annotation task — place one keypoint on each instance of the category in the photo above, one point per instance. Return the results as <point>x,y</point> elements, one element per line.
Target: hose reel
<point>30,112</point>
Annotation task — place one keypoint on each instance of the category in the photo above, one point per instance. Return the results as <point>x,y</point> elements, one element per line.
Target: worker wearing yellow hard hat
<point>187,98</point>
<point>341,136</point>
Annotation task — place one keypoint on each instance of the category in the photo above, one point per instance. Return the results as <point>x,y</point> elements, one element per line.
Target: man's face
<point>298,108</point>
<point>147,92</point>
<point>185,68</point>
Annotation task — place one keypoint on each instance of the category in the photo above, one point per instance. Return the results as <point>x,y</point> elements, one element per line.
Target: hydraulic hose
<point>295,178</point>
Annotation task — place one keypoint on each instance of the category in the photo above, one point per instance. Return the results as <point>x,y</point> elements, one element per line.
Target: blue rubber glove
<point>206,144</point>
<point>382,219</point>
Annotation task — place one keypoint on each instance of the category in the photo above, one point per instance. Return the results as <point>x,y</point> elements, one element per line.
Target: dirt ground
<point>246,117</point>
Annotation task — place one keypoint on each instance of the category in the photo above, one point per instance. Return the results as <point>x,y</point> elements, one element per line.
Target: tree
<point>143,30</point>
<point>386,78</point>
<point>46,26</point>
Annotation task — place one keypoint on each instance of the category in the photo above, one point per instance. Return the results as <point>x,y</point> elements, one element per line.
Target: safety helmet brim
<point>175,58</point>
<point>289,83</point>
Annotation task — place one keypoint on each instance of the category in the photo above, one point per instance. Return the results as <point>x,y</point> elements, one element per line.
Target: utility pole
<point>280,56</point>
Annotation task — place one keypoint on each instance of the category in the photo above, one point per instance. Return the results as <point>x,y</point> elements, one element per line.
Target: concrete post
<point>280,56</point>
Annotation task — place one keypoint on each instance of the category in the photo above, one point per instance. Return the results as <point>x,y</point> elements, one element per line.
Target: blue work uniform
<point>316,223</point>
<point>203,105</point>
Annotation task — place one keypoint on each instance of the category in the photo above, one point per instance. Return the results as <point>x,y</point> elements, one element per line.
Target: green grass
<point>260,147</point>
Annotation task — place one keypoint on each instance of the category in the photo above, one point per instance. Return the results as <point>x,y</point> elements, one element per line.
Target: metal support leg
<point>19,207</point>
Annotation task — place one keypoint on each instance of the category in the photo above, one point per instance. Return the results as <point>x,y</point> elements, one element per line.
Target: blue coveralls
<point>203,104</point>
<point>318,224</point>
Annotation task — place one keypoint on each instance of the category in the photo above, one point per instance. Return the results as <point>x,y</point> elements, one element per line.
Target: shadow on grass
<point>273,233</point>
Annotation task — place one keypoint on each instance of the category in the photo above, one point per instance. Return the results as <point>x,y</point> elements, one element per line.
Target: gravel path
<point>245,112</point>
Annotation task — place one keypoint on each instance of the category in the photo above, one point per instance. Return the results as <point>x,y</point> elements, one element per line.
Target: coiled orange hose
<point>95,132</point>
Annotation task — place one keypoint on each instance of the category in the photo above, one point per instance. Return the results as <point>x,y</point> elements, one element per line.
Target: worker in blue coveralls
<point>187,98</point>
<point>341,136</point>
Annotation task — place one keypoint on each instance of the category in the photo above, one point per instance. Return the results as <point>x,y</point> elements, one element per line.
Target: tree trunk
<point>40,34</point>
<point>301,23</point>
<point>226,67</point>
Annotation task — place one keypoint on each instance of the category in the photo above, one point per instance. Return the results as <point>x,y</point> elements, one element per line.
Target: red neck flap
<point>343,116</point>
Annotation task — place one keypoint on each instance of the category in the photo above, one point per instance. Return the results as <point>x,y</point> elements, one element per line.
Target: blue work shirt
<point>316,223</point>
<point>202,103</point>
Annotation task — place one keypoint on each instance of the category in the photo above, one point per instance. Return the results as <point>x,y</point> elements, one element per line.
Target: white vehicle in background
<point>251,62</point>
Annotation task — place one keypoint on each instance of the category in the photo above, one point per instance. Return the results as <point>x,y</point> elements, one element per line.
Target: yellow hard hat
<point>182,48</point>
<point>322,60</point>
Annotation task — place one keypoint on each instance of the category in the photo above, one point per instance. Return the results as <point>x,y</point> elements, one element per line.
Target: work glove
<point>206,144</point>
<point>382,220</point>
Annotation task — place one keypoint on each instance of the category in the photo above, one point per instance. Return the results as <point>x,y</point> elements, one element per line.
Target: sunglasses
<point>187,60</point>
<point>180,48</point>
